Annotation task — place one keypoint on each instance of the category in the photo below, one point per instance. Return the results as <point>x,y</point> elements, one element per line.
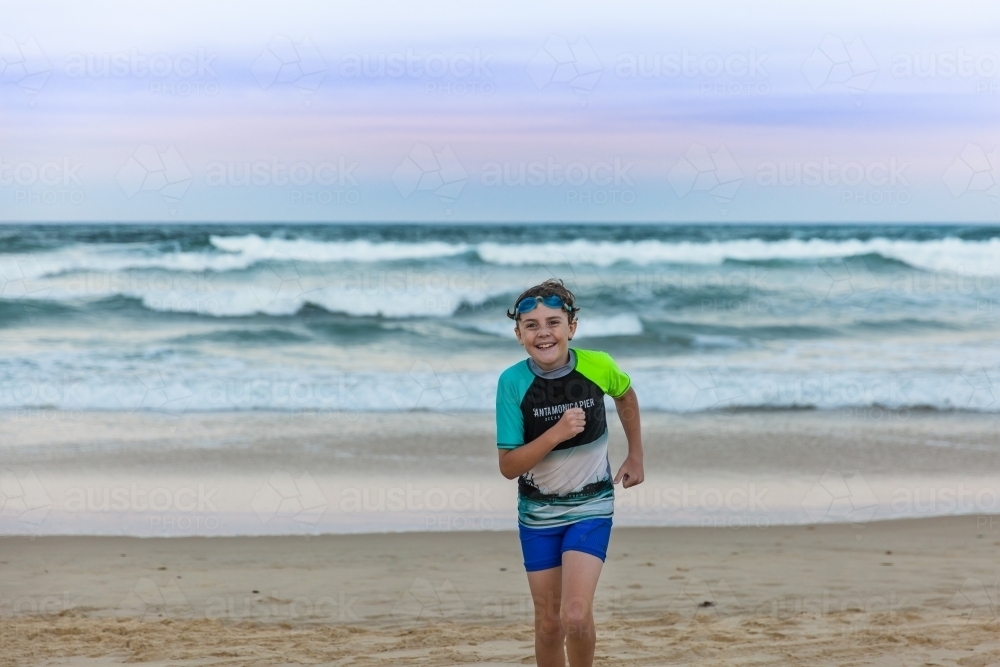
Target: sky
<point>500,112</point>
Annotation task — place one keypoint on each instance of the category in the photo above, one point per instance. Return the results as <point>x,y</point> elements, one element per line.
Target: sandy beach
<point>699,583</point>
<point>917,592</point>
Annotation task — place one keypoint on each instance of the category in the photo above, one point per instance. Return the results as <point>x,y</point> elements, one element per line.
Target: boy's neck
<point>556,365</point>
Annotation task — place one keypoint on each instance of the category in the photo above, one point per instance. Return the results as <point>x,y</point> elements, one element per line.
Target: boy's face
<point>545,332</point>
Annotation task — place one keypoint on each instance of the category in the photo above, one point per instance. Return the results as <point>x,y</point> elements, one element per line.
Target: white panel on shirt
<point>569,470</point>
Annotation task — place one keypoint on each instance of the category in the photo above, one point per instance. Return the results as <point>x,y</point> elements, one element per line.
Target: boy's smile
<point>545,334</point>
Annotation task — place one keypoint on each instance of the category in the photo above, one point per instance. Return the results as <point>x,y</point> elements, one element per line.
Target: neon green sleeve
<point>603,371</point>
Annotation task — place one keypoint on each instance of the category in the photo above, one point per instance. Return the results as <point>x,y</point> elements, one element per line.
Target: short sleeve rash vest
<point>573,481</point>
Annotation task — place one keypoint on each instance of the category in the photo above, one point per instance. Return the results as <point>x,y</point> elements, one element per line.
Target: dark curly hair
<point>552,286</point>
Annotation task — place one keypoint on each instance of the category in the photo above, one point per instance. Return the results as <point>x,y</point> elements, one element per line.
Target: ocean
<point>223,317</point>
<point>285,379</point>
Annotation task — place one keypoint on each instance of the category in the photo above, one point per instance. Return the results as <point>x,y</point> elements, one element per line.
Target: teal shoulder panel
<point>513,384</point>
<point>602,370</point>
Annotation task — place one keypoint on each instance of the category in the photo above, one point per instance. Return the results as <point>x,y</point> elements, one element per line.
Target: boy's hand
<point>570,424</point>
<point>630,473</point>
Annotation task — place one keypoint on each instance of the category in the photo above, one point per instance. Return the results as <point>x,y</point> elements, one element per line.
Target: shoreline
<point>343,473</point>
<point>846,410</point>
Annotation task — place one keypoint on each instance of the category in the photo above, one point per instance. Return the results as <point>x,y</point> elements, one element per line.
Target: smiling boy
<point>552,435</point>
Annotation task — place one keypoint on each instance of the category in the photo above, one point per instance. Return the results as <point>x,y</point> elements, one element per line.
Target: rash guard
<point>573,481</point>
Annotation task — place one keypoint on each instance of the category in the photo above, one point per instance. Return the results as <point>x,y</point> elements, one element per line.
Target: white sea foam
<point>624,324</point>
<point>278,290</point>
<point>949,254</point>
<point>976,258</point>
<point>110,258</point>
<point>238,253</point>
<point>305,250</point>
<point>278,300</point>
<point>714,341</point>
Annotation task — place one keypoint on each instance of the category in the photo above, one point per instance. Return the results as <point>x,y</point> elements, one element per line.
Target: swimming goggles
<point>528,303</point>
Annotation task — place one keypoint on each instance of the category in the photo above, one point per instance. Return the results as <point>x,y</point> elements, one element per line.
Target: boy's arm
<point>628,411</point>
<point>515,462</point>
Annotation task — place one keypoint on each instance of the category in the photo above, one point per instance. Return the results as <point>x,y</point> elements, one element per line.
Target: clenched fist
<point>570,424</point>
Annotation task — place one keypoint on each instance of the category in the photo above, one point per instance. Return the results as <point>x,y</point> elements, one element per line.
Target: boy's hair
<point>551,287</point>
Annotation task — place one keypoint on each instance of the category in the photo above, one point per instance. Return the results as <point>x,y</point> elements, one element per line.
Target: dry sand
<point>915,592</point>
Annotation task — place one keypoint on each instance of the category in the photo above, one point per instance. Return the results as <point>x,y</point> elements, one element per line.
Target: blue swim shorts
<point>543,547</point>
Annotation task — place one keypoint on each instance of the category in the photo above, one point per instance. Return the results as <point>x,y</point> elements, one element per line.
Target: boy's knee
<point>576,618</point>
<point>549,627</point>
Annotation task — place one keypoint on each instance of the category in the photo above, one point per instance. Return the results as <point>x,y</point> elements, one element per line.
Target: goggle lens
<point>528,303</point>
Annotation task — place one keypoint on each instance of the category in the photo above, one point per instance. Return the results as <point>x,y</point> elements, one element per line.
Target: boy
<point>552,434</point>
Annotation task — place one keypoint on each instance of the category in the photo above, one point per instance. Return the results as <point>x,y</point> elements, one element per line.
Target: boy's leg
<point>580,572</point>
<point>546,593</point>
